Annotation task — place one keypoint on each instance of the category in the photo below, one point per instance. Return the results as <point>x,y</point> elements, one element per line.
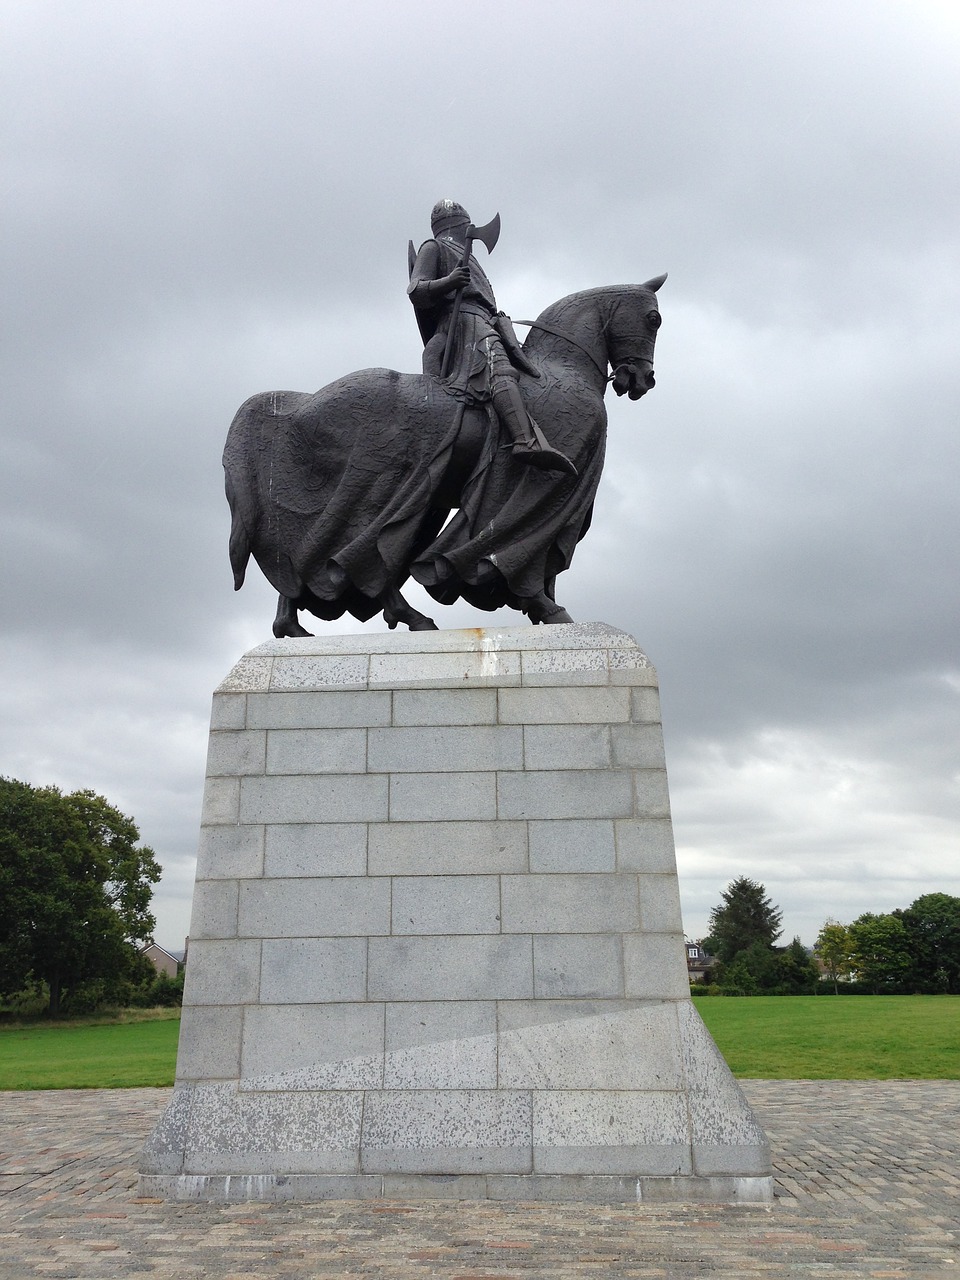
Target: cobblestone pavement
<point>868,1184</point>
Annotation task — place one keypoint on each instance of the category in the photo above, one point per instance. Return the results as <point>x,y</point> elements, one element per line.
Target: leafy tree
<point>75,890</point>
<point>880,951</point>
<point>746,916</point>
<point>833,947</point>
<point>932,925</point>
<point>752,971</point>
<point>797,973</point>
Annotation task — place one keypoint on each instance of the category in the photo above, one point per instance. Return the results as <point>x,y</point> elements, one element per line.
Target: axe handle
<point>455,314</point>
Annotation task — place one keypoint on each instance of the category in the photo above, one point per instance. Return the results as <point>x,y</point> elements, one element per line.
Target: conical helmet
<point>447,214</point>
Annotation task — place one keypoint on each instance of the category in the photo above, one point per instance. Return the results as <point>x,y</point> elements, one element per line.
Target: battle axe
<point>488,235</point>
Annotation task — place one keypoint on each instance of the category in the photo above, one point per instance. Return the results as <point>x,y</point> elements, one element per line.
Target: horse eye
<point>653,319</point>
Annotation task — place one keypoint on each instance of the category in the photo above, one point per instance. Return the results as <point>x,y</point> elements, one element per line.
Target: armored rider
<point>486,354</point>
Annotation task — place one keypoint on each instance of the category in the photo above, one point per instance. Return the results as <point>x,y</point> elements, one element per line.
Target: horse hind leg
<point>396,609</point>
<point>286,625</point>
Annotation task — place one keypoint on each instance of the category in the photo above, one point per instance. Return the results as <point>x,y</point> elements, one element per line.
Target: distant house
<point>699,963</point>
<point>164,961</point>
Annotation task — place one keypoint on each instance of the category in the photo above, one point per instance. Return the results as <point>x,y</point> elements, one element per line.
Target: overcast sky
<point>206,200</point>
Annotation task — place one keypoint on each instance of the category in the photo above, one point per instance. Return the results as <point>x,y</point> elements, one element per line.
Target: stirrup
<point>539,453</point>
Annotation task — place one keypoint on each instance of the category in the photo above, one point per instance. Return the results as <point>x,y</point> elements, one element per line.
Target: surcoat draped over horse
<point>343,494</point>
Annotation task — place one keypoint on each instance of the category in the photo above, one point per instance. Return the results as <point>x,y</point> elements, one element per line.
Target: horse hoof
<point>291,631</point>
<point>547,614</point>
<point>423,623</point>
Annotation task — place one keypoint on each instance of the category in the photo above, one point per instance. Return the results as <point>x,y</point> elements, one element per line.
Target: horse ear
<point>654,284</point>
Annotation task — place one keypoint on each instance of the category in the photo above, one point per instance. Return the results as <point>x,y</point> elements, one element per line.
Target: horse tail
<point>239,540</point>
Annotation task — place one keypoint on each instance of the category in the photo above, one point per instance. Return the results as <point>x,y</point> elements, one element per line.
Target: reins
<point>558,333</point>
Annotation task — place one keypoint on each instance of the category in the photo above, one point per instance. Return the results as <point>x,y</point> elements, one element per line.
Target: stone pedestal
<point>436,946</point>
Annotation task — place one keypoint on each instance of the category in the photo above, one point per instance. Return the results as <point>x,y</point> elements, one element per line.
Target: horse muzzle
<point>634,379</point>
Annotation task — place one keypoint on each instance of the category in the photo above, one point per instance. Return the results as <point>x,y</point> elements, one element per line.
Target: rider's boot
<point>529,444</point>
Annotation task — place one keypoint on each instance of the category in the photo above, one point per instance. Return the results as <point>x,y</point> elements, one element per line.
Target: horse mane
<point>556,311</point>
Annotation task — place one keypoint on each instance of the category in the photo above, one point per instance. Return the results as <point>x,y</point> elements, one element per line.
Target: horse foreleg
<point>396,609</point>
<point>286,624</point>
<point>541,608</point>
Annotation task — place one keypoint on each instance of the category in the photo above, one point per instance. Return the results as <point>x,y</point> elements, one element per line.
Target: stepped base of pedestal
<point>571,1187</point>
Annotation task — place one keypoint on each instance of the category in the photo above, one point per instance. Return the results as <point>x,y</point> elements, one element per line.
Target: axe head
<point>488,235</point>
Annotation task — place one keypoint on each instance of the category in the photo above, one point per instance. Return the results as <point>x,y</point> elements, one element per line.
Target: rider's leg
<point>530,445</point>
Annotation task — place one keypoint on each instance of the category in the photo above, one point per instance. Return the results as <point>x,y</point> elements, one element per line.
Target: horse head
<point>631,335</point>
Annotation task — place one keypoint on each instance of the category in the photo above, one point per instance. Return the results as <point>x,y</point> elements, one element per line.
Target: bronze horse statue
<point>343,494</point>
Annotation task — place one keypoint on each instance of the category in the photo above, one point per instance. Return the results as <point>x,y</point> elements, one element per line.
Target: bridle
<point>558,333</point>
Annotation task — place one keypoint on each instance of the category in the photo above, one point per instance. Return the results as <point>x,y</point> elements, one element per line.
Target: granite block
<point>438,848</point>
<point>443,706</point>
<point>442,797</point>
<point>459,968</point>
<point>230,853</point>
<point>214,913</point>
<point>565,793</point>
<point>446,904</point>
<point>222,972</point>
<point>652,798</point>
<point>460,748</point>
<point>588,1045</point>
<point>553,667</point>
<point>433,1186</point>
<point>295,1048</point>
<point>316,849</point>
<point>645,844</point>
<point>630,1132</point>
<point>252,673</point>
<point>313,970</point>
<point>344,671</point>
<point>239,752</point>
<point>571,964</point>
<point>600,705</point>
<point>726,1136</point>
<point>654,966</point>
<point>308,710</point>
<point>446,1131</point>
<point>637,746</point>
<point>572,844</point>
<point>567,746</point>
<point>328,906</point>
<point>569,903</point>
<point>327,798</point>
<point>209,1047</point>
<point>252,1133</point>
<point>269,1188</point>
<point>229,711</point>
<point>441,1045</point>
<point>645,704</point>
<point>221,802</point>
<point>440,670</point>
<point>310,751</point>
<point>659,903</point>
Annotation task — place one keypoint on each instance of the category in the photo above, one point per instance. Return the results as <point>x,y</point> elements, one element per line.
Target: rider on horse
<point>487,354</point>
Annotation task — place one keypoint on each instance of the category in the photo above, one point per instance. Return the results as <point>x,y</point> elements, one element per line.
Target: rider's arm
<point>428,287</point>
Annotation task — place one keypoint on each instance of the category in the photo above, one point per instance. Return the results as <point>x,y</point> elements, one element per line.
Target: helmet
<point>447,214</point>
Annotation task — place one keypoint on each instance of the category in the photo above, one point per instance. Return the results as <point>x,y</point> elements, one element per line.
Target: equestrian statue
<point>476,477</point>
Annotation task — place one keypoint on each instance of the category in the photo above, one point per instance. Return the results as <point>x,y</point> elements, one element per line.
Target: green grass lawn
<point>837,1037</point>
<point>116,1055</point>
<point>765,1037</point>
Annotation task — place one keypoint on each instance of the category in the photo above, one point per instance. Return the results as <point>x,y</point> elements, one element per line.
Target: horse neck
<point>573,334</point>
